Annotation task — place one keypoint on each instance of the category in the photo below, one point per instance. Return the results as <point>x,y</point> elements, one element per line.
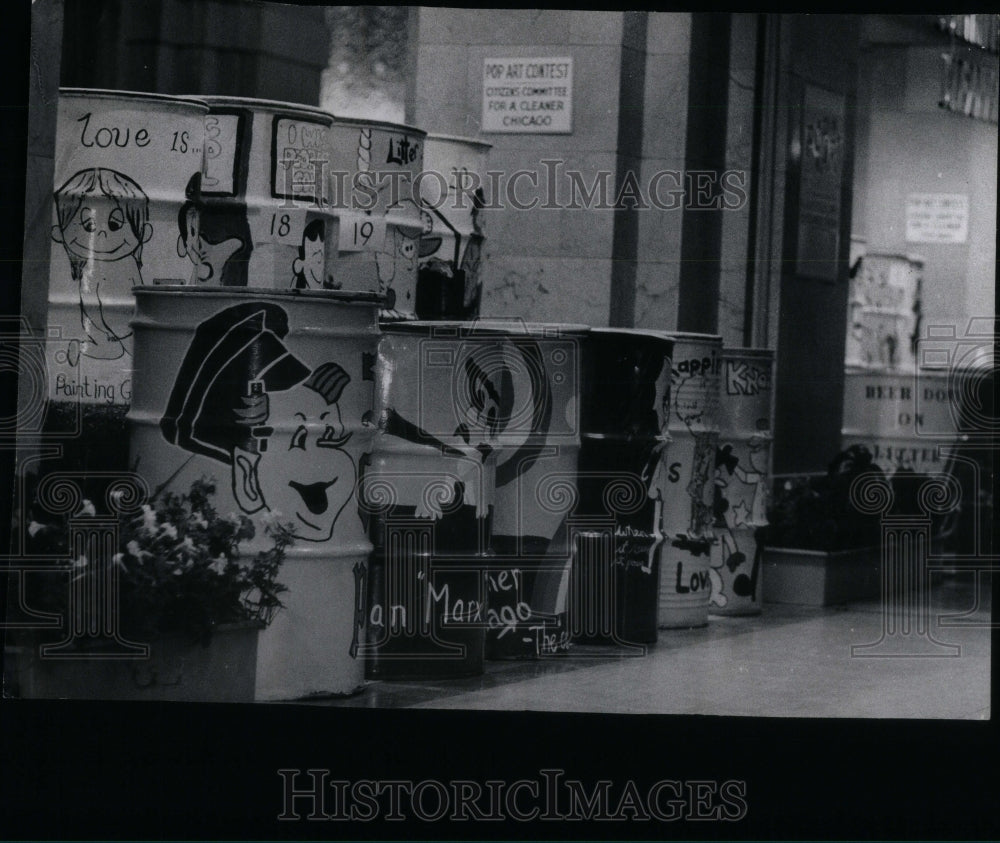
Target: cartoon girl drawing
<point>238,376</point>
<point>103,222</point>
<point>215,237</point>
<point>309,265</point>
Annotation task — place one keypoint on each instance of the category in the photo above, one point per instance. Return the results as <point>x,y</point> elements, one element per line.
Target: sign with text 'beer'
<point>528,95</point>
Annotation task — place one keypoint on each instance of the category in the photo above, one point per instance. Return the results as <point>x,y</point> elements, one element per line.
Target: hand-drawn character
<point>400,257</point>
<point>214,236</point>
<point>103,222</point>
<point>309,265</point>
<point>237,376</point>
<point>729,518</point>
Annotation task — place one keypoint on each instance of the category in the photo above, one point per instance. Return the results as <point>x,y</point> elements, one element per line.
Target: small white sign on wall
<point>528,95</point>
<point>937,218</point>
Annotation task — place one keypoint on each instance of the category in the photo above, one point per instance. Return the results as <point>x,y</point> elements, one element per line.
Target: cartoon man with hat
<point>238,376</point>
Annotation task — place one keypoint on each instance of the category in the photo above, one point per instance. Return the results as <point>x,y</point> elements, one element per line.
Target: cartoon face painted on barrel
<point>214,236</point>
<point>241,398</point>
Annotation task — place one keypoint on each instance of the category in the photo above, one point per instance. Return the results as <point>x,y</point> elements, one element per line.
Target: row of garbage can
<point>461,488</point>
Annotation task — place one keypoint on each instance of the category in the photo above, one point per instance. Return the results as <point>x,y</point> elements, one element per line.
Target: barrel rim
<point>759,353</point>
<point>264,105</point>
<point>381,124</point>
<point>252,293</point>
<point>144,96</point>
<point>714,339</point>
<point>459,139</point>
<point>632,332</point>
<point>909,257</point>
<point>493,327</point>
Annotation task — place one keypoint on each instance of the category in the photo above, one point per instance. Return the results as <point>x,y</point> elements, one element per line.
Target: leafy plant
<point>815,512</point>
<point>178,563</point>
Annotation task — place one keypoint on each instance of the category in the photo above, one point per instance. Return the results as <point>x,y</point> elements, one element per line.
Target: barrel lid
<point>344,296</point>
<point>381,124</point>
<point>437,136</point>
<point>106,93</point>
<point>274,106</point>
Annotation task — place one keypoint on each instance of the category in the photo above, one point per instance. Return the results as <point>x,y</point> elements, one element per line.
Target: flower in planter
<point>178,564</point>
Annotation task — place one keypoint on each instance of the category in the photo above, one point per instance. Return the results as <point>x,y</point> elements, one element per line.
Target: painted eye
<point>89,225</point>
<point>116,220</point>
<point>298,438</point>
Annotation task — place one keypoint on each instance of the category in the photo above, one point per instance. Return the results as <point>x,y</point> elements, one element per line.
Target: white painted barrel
<point>685,584</point>
<point>428,496</point>
<point>264,221</point>
<point>742,479</point>
<point>884,303</point>
<point>375,190</point>
<point>122,163</point>
<point>270,392</point>
<point>453,248</point>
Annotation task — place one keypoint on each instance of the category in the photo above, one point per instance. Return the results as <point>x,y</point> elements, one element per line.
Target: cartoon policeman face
<point>303,474</point>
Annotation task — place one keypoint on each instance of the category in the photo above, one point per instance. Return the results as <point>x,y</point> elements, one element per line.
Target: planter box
<point>818,578</point>
<point>176,670</point>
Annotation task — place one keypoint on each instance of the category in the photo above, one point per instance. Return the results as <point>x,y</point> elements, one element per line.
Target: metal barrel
<point>685,584</point>
<point>373,177</point>
<point>428,496</point>
<point>452,251</point>
<point>270,392</point>
<point>122,163</point>
<point>902,417</point>
<point>263,219</point>
<point>742,479</point>
<point>884,307</point>
<point>535,381</point>
<point>617,527</point>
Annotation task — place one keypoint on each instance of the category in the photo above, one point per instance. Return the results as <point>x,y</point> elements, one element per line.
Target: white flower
<point>198,520</point>
<point>148,519</point>
<point>187,544</point>
<point>80,561</point>
<point>117,559</point>
<point>178,571</point>
<point>218,564</point>
<point>169,530</point>
<point>34,527</point>
<point>86,509</point>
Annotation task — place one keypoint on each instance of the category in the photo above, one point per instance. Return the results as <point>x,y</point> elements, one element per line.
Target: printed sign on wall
<point>528,95</point>
<point>823,149</point>
<point>937,218</point>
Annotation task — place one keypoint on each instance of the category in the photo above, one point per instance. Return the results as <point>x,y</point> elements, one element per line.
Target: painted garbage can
<point>536,376</point>
<point>428,495</point>
<point>884,311</point>
<point>685,582</point>
<point>270,392</point>
<point>742,480</point>
<point>374,184</point>
<point>625,407</point>
<point>449,282</point>
<point>121,166</point>
<point>263,220</point>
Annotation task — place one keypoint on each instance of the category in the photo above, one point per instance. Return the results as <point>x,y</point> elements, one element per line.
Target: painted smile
<point>89,247</point>
<point>314,495</point>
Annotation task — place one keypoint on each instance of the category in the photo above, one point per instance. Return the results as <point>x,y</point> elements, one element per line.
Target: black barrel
<point>617,531</point>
